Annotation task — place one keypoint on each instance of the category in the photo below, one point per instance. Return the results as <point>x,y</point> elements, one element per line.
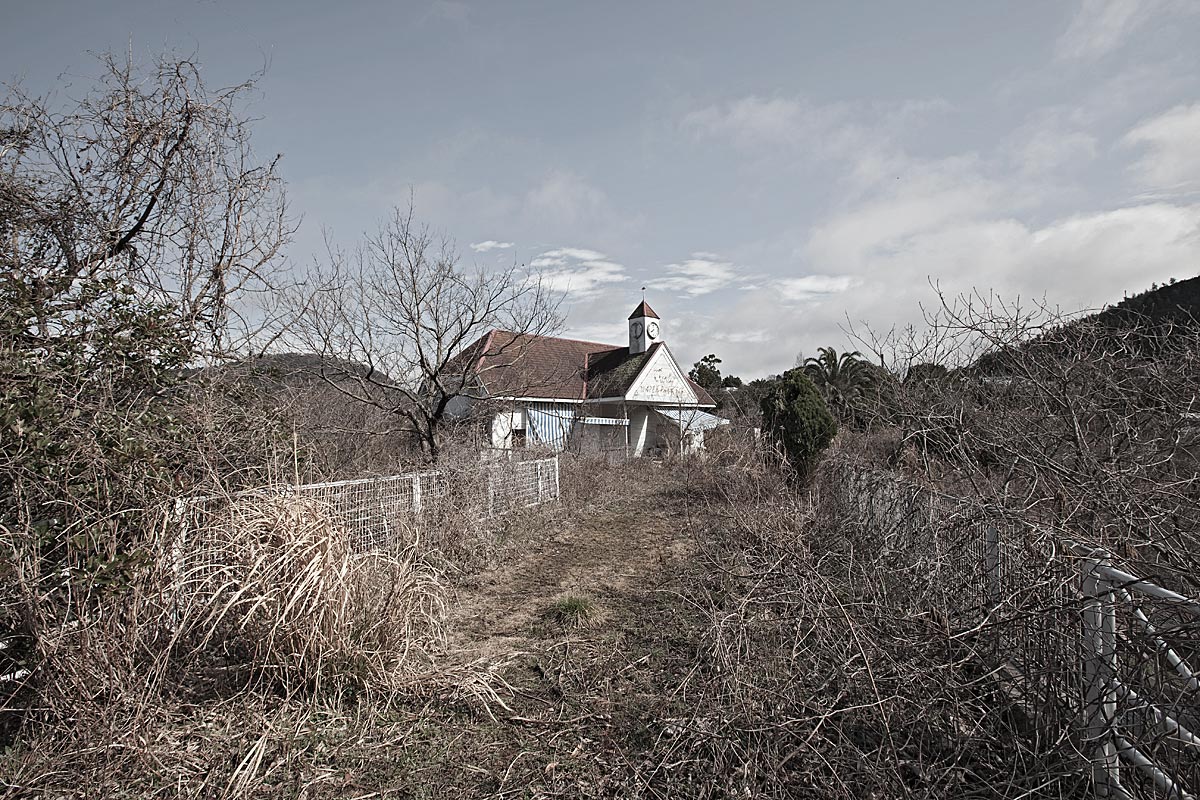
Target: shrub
<point>796,417</point>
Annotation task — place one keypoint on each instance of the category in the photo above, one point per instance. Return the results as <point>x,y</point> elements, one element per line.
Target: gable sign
<point>661,381</point>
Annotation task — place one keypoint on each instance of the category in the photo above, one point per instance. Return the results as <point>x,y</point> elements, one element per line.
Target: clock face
<point>636,329</point>
<point>652,330</point>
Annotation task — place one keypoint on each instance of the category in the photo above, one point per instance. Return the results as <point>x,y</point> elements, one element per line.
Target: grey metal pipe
<point>1163,781</point>
<point>1165,721</point>
<point>1177,663</point>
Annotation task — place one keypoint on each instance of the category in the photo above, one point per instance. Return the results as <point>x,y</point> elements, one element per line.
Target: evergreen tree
<point>795,416</point>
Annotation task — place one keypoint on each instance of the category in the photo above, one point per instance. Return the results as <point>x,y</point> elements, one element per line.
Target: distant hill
<point>1151,311</point>
<point>278,371</point>
<point>1177,302</point>
<point>337,436</point>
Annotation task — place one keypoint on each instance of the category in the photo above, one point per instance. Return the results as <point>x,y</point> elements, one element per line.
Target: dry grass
<point>275,581</point>
<point>253,653</point>
<point>819,674</point>
<point>792,655</point>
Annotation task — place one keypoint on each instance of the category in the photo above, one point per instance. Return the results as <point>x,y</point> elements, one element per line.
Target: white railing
<point>1086,648</point>
<point>1115,715</point>
<point>369,511</point>
<point>521,484</point>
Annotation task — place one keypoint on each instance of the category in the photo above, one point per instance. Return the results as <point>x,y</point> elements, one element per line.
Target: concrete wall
<point>648,433</point>
<point>598,438</point>
<point>661,382</point>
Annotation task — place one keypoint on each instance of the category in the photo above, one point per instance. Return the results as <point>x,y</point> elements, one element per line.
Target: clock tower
<point>644,328</point>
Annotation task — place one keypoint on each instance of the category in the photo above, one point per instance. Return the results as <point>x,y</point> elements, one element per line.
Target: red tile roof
<point>523,365</point>
<point>702,395</point>
<point>644,310</point>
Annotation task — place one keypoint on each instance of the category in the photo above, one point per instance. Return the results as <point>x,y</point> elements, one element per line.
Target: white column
<point>639,430</point>
<point>1099,671</point>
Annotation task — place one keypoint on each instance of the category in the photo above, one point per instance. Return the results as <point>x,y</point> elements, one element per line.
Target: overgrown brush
<point>254,631</point>
<point>141,245</point>
<point>273,585</point>
<point>828,671</point>
<point>594,478</point>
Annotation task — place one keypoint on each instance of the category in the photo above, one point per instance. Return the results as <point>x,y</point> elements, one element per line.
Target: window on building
<point>518,438</point>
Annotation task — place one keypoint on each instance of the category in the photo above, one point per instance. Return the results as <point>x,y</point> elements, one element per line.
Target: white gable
<point>661,381</point>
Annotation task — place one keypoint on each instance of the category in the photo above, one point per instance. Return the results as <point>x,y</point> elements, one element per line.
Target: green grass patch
<point>572,612</point>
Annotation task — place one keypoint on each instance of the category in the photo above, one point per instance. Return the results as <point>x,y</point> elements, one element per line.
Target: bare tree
<point>136,227</point>
<point>1083,422</point>
<point>148,182</point>
<point>393,318</point>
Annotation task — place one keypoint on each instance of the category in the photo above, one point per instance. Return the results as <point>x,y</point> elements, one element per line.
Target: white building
<point>565,393</point>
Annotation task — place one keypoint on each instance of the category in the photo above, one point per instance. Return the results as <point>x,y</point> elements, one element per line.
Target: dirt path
<point>615,555</point>
<point>579,706</point>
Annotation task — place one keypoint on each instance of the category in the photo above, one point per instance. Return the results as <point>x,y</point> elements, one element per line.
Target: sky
<point>773,173</point>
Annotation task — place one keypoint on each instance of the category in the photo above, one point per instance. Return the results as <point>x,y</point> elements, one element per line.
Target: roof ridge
<point>647,355</point>
<point>586,359</point>
<point>483,351</point>
<point>687,379</point>
<point>558,338</point>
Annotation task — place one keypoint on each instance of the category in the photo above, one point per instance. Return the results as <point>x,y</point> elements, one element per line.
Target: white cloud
<point>565,198</point>
<point>753,122</point>
<point>555,207</point>
<point>814,286</point>
<point>799,131</point>
<point>1172,142</point>
<point>755,336</point>
<point>876,271</point>
<point>962,229</point>
<point>1101,26</point>
<point>1080,261</point>
<point>992,219</point>
<point>701,274</point>
<point>490,244</point>
<point>928,196</point>
<point>579,273</point>
<point>614,333</point>
<point>577,253</point>
<point>565,206</point>
<point>1042,149</point>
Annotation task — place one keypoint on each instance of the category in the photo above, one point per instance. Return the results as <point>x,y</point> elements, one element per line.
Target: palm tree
<point>841,379</point>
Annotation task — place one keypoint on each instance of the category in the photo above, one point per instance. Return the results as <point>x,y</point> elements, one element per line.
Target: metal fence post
<point>416,494</point>
<point>1099,672</point>
<point>991,562</point>
<point>178,548</point>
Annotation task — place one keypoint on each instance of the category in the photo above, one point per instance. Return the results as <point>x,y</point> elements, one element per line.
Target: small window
<point>518,438</point>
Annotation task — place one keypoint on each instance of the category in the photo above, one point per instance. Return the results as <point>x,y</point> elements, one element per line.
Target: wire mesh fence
<point>1098,661</point>
<point>521,484</point>
<point>375,513</point>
